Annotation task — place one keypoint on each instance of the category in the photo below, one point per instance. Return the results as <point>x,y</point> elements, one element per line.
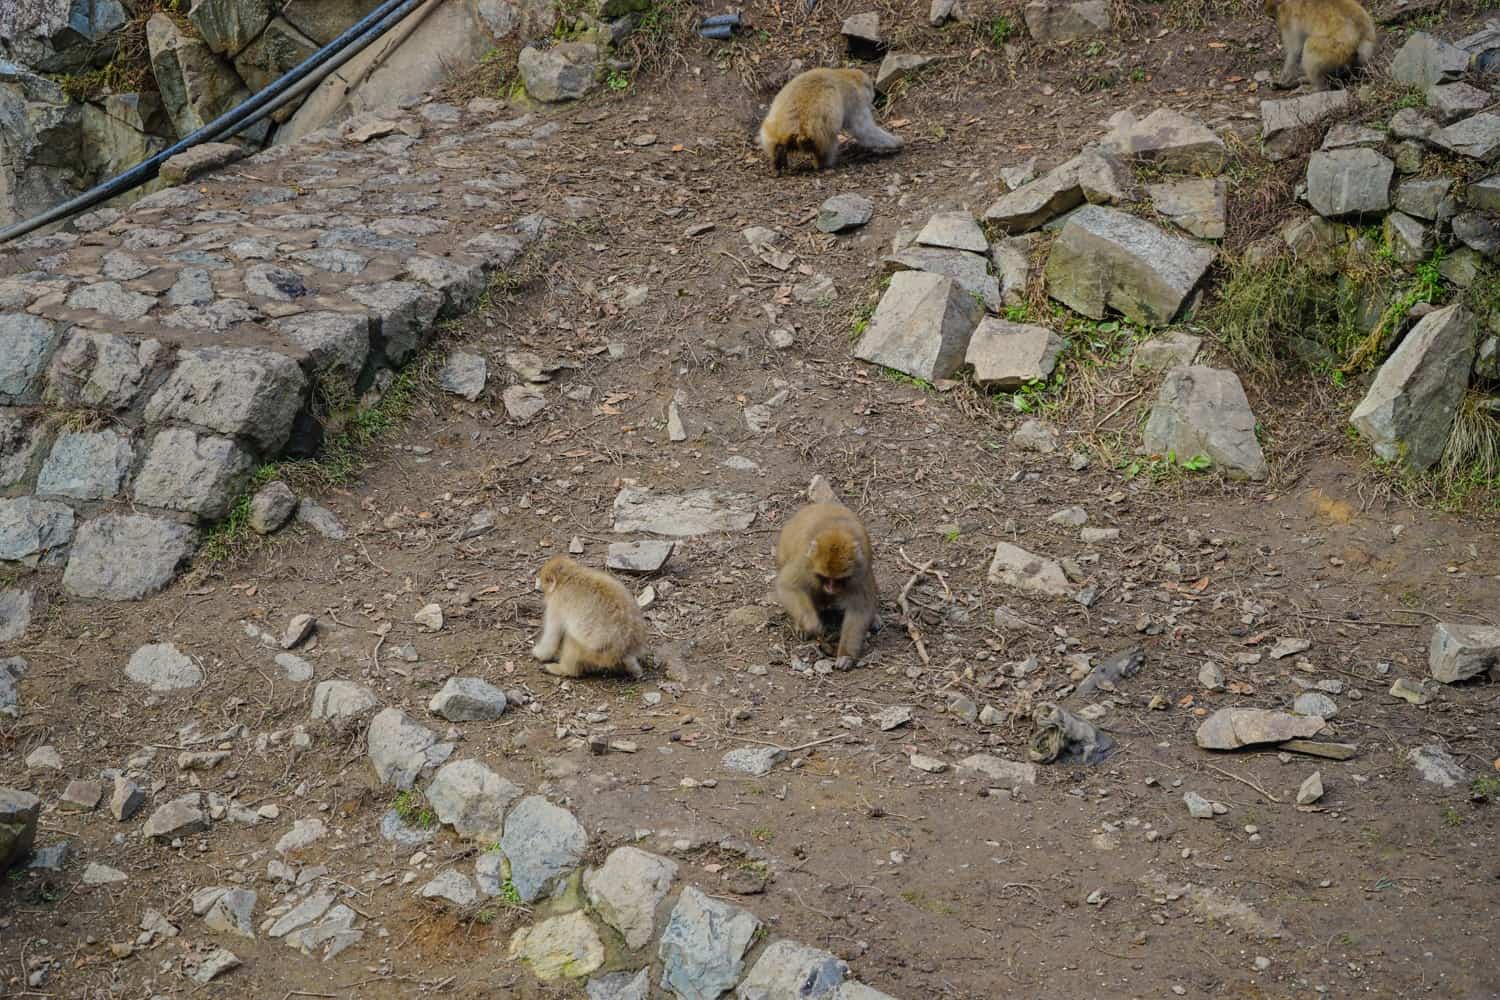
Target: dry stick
<point>1110,415</point>
<point>802,746</point>
<point>1244,781</point>
<point>911,626</point>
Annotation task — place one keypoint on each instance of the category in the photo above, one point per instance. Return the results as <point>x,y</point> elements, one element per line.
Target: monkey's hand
<point>810,626</point>
<point>541,653</point>
<point>844,663</point>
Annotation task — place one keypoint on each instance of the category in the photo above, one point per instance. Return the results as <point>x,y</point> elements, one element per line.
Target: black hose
<point>291,85</point>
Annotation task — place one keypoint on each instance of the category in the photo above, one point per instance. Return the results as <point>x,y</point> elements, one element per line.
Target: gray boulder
<point>1426,60</point>
<point>1411,405</point>
<point>18,816</point>
<point>112,300</point>
<point>23,435</point>
<point>101,370</point>
<point>638,557</point>
<point>342,700</point>
<point>1170,350</point>
<point>1452,101</point>
<point>542,842</point>
<point>1484,194</point>
<point>790,971</point>
<point>1198,205</point>
<point>472,799</point>
<point>229,25</point>
<point>277,50</point>
<point>1410,239</point>
<point>12,668</point>
<point>196,85</point>
<point>402,749</point>
<point>86,465</point>
<point>697,512</point>
<point>1014,567</point>
<point>1477,137</point>
<point>1434,764</point>
<point>702,949</point>
<point>1477,232</point>
<point>338,343</point>
<point>15,612</point>
<point>1233,728</point>
<point>34,532</point>
<point>1344,182</point>
<point>1461,652</point>
<point>1203,411</point>
<point>177,818</point>
<point>1282,123</point>
<point>1167,139</point>
<point>234,390</point>
<point>1006,355</point>
<point>953,231</point>
<point>124,557</point>
<point>197,473</point>
<point>163,667</point>
<point>468,699</point>
<point>921,326</point>
<point>325,20</point>
<point>1093,176</point>
<point>1108,259</point>
<point>271,506</point>
<point>1425,197</point>
<point>626,890</point>
<point>43,143</point>
<point>844,211</point>
<point>24,344</point>
<point>1065,20</point>
<point>564,72</point>
<point>464,375</point>
<point>401,315</point>
<point>969,270</point>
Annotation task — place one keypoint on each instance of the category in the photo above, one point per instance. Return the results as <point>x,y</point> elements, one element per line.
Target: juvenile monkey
<point>591,621</point>
<point>809,112</point>
<point>825,575</point>
<point>1321,37</point>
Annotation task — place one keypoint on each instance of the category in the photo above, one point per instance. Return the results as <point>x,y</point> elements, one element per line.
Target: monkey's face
<point>833,586</point>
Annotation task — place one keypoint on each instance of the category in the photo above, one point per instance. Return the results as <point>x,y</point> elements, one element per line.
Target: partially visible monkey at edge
<point>825,575</point>
<point>1320,38</point>
<point>809,112</point>
<point>591,624</point>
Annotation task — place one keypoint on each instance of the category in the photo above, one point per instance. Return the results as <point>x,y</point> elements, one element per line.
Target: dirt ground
<point>1093,883</point>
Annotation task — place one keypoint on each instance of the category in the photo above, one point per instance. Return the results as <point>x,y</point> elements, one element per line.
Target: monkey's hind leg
<point>863,130</point>
<point>552,634</point>
<point>1292,64</point>
<point>632,665</point>
<point>573,661</point>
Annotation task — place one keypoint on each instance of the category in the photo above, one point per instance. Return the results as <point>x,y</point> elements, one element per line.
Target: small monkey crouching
<point>591,624</point>
<point>825,575</point>
<point>810,111</point>
<point>1320,38</point>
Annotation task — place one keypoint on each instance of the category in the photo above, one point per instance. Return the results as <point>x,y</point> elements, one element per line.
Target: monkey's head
<point>1271,7</point>
<point>552,573</point>
<point>834,560</point>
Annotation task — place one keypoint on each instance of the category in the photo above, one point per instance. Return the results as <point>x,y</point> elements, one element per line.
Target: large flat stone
<point>703,947</point>
<point>1014,567</point>
<point>1108,259</point>
<point>86,465</point>
<point>969,270</point>
<point>337,342</point>
<point>542,842</point>
<point>23,435</point>
<point>698,512</point>
<point>124,557</point>
<point>1203,411</point>
<point>1197,204</point>
<point>402,749</point>
<point>1349,182</point>
<point>787,970</point>
<point>1462,652</point>
<point>1167,139</point>
<point>1050,21</point>
<point>1284,123</point>
<point>103,370</point>
<point>626,890</point>
<point>1006,355</point>
<point>1093,176</point>
<point>1233,728</point>
<point>401,315</point>
<point>921,327</point>
<point>1412,403</point>
<point>560,947</point>
<point>233,390</point>
<point>1477,137</point>
<point>25,342</point>
<point>1425,60</point>
<point>197,473</point>
<point>472,799</point>
<point>34,532</point>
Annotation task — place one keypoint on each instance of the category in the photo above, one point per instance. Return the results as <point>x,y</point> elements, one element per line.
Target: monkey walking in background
<point>825,577</point>
<point>809,112</point>
<point>591,625</point>
<point>1321,37</point>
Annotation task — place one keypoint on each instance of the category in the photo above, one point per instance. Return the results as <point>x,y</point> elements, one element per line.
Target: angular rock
<point>1284,123</point>
<point>542,842</point>
<point>81,795</point>
<point>754,761</point>
<point>86,465</point>
<point>626,890</point>
<point>239,391</point>
<point>207,968</point>
<point>621,986</point>
<point>464,375</point>
<point>472,799</point>
<point>561,947</point>
<point>1345,182</point>
<point>1105,258</point>
<point>278,284</point>
<point>338,343</point>
<point>1412,403</point>
<point>1035,435</point>
<point>188,471</point>
<point>1315,703</point>
<point>23,435</point>
<point>125,799</point>
<point>1484,194</point>
<point>1409,240</point>
<point>270,507</point>
<point>196,85</point>
<point>953,231</point>
<point>697,512</point>
<point>969,270</point>
<point>1343,135</point>
<point>703,947</point>
<point>103,370</point>
<point>790,971</point>
<point>1198,205</point>
<point>1477,137</point>
<point>177,818</point>
<point>1197,806</point>
<point>97,874</point>
<point>1416,125</point>
<point>1424,197</point>
<point>110,299</point>
<point>844,211</point>
<point>460,281</point>
<point>1093,176</point>
<point>1426,60</point>
<point>1203,411</point>
<point>468,699</point>
<point>201,159</point>
<point>897,67</point>
<point>401,315</point>
<point>24,344</point>
<point>998,772</point>
<point>124,557</point>
<point>1451,101</point>
<point>1173,350</point>
<point>1435,764</point>
<point>18,818</point>
<point>564,72</point>
<point>1232,728</point>
<point>163,667</point>
<point>1015,567</point>
<point>921,326</point>
<point>638,557</point>
<point>401,749</point>
<point>229,25</point>
<point>1168,139</point>
<point>1477,232</point>
<point>311,909</point>
<point>15,614</point>
<point>232,912</point>
<point>34,532</point>
<point>1462,652</point>
<point>321,520</point>
<point>1049,21</point>
<point>453,886</point>
<point>1006,355</point>
<point>1012,260</point>
<point>1311,789</point>
<point>278,49</point>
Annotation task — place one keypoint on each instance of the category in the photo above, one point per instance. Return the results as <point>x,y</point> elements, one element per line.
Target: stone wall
<point>152,360</point>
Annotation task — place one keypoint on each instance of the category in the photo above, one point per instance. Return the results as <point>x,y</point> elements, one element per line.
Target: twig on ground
<point>1244,781</point>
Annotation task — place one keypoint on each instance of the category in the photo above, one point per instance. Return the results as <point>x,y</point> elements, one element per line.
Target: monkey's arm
<point>860,612</point>
<point>552,633</point>
<point>799,606</point>
<point>1291,67</point>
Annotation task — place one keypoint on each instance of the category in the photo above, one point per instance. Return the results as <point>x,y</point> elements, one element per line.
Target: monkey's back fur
<point>1322,37</point>
<point>809,112</point>
<point>597,613</point>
